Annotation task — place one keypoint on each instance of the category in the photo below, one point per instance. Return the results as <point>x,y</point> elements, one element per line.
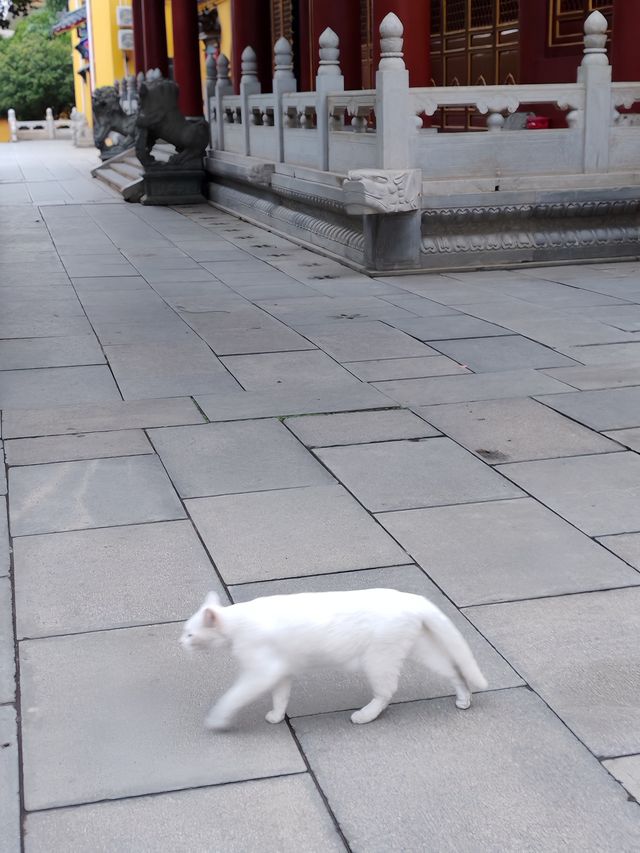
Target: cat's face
<point>202,630</point>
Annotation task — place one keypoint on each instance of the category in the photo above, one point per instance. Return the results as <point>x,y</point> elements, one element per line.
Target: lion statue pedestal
<point>181,179</point>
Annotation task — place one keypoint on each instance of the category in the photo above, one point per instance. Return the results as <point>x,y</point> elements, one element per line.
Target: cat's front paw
<point>360,718</point>
<point>216,723</point>
<point>274,717</point>
<point>463,704</point>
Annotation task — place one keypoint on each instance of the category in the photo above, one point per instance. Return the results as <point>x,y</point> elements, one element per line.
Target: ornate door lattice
<point>566,20</point>
<point>473,42</point>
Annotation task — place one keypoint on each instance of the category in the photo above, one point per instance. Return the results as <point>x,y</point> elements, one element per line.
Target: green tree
<point>35,68</point>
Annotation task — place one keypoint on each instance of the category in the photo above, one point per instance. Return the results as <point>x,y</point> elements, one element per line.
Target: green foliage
<point>35,68</point>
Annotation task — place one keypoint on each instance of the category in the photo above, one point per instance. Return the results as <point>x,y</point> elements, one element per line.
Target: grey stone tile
<point>292,368</point>
<point>247,817</point>
<point>134,729</point>
<point>591,378</point>
<point>616,408</point>
<point>254,340</point>
<point>405,368</point>
<point>491,354</point>
<point>607,354</point>
<point>406,474</point>
<point>449,327</point>
<point>418,305</point>
<point>628,437</point>
<point>358,427</point>
<point>290,532</point>
<point>336,690</point>
<point>514,430</point>
<point>4,538</point>
<point>429,746</point>
<point>111,283</point>
<point>96,493</point>
<point>479,386</point>
<point>115,577</point>
<point>9,782</point>
<point>580,654</point>
<point>127,414</point>
<point>169,329</point>
<point>291,401</point>
<point>312,308</point>
<point>160,275</point>
<point>61,385</point>
<point>627,771</point>
<point>50,352</point>
<point>219,459</point>
<point>364,341</point>
<point>43,327</point>
<point>625,545</point>
<point>7,651</point>
<point>70,448</point>
<point>501,550</point>
<point>3,472</point>
<point>599,494</point>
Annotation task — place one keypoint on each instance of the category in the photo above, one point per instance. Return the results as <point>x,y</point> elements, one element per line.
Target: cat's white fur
<point>373,630</point>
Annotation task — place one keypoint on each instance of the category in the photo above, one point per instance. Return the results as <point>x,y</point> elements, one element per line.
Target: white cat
<point>374,630</point>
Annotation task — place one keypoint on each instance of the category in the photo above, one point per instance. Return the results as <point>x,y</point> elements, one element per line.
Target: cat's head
<point>203,629</point>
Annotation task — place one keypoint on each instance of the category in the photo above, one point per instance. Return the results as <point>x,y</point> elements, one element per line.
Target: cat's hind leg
<point>427,652</point>
<point>281,694</point>
<point>382,669</point>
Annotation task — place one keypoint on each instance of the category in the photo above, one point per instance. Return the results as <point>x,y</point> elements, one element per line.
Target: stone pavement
<point>190,402</point>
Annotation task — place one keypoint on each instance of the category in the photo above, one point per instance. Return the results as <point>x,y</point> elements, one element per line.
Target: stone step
<point>123,173</point>
<point>129,188</point>
<point>130,168</point>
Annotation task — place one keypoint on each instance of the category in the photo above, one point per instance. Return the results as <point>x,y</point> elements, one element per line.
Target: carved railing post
<point>329,79</point>
<point>13,125</point>
<point>283,83</point>
<point>595,74</point>
<point>249,85</point>
<point>49,123</point>
<point>392,98</point>
<point>211,72</point>
<point>223,87</point>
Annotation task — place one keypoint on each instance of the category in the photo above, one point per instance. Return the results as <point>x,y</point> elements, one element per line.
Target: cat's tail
<point>454,645</point>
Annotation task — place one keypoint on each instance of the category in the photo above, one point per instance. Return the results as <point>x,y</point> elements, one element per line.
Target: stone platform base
<point>464,229</point>
<point>164,185</point>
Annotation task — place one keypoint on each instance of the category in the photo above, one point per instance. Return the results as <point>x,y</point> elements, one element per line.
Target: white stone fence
<point>340,131</point>
<point>47,128</point>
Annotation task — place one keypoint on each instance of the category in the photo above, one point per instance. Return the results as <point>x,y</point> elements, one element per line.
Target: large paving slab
<point>274,337</point>
<point>245,817</point>
<point>7,650</point>
<point>4,538</point>
<point>616,408</point>
<point>628,437</point>
<point>219,459</point>
<point>275,534</point>
<point>467,781</point>
<point>291,401</point>
<point>406,474</point>
<point>450,327</point>
<point>627,771</point>
<point>114,577</point>
<point>599,494</point>
<point>358,427</point>
<point>593,378</point>
<point>380,370</point>
<point>514,430</point>
<point>20,389</point>
<point>126,414</point>
<point>69,448</point>
<point>94,493</point>
<point>298,368</point>
<point>50,352</point>
<point>9,782</point>
<point>329,689</point>
<point>96,728</point>
<point>625,545</point>
<point>580,653</point>
<point>491,354</point>
<point>364,341</point>
<point>502,550</point>
<point>468,388</point>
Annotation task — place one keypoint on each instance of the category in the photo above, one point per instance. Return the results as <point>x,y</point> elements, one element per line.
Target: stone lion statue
<point>109,117</point>
<point>160,118</point>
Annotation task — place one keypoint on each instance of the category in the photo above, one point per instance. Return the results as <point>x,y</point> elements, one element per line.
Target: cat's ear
<point>209,618</point>
<point>212,599</point>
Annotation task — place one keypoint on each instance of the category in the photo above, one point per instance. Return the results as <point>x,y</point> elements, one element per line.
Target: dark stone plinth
<point>164,185</point>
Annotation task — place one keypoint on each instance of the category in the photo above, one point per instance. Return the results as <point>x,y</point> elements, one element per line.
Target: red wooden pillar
<point>416,19</point>
<point>186,59</point>
<point>625,55</point>
<point>154,32</point>
<point>343,16</point>
<point>251,27</point>
<point>138,37</point>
